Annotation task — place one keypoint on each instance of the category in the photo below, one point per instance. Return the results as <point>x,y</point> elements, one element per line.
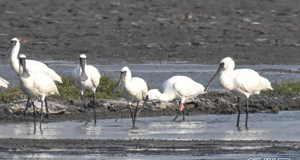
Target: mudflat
<point>129,31</point>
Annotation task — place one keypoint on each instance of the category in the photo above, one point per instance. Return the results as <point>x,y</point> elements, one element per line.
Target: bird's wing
<point>188,88</point>
<point>45,84</point>
<point>36,66</point>
<point>75,75</point>
<point>141,85</point>
<point>94,74</point>
<point>249,81</point>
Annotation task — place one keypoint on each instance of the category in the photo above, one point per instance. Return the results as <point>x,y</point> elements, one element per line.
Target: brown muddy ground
<point>130,31</point>
<point>154,147</point>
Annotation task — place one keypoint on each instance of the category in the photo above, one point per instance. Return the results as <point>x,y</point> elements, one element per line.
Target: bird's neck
<point>14,58</point>
<point>128,76</point>
<point>164,97</point>
<point>226,79</point>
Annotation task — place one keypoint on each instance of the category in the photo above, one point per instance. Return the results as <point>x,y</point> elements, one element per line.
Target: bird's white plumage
<point>134,89</point>
<point>38,85</point>
<point>177,87</point>
<point>93,78</point>
<point>31,65</point>
<point>3,83</point>
<point>243,81</point>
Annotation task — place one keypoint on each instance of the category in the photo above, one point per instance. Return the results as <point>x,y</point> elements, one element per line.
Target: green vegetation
<point>68,91</point>
<point>284,89</point>
<point>11,94</point>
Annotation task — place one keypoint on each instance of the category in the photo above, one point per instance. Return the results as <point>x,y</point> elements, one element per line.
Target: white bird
<point>177,88</point>
<point>86,77</point>
<point>32,66</point>
<point>134,89</point>
<point>3,83</point>
<point>35,85</point>
<point>244,82</point>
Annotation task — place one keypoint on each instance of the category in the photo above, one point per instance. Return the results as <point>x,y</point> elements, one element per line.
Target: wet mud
<point>251,32</point>
<point>155,147</point>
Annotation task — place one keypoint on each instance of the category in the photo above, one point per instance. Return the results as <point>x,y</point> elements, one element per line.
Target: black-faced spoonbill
<point>86,77</point>
<point>3,83</point>
<point>177,87</point>
<point>32,66</point>
<point>244,82</point>
<point>134,89</point>
<point>35,85</point>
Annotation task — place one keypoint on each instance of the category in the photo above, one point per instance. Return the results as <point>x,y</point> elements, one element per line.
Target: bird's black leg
<point>27,105</point>
<point>84,105</point>
<point>178,113</point>
<point>34,112</point>
<point>238,118</point>
<point>134,116</point>
<point>41,115</point>
<point>129,108</point>
<point>94,109</point>
<point>47,109</point>
<point>246,123</point>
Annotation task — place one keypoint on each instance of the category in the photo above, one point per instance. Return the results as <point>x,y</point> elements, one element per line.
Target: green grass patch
<point>284,89</point>
<point>11,94</point>
<point>68,91</point>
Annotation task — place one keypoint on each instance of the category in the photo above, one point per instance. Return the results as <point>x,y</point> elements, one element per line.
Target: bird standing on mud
<point>134,89</point>
<point>86,77</point>
<point>177,87</point>
<point>31,65</point>
<point>244,82</point>
<point>35,85</point>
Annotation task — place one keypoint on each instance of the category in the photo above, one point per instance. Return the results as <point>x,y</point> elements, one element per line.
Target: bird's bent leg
<point>140,110</point>
<point>94,108</point>
<point>178,113</point>
<point>246,123</point>
<point>34,112</point>
<point>47,109</point>
<point>183,114</point>
<point>41,114</point>
<point>27,105</point>
<point>238,118</point>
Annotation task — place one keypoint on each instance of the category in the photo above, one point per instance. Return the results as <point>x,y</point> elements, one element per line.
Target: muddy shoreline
<point>211,103</point>
<point>148,147</point>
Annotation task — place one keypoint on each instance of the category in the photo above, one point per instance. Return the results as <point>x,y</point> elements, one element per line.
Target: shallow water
<point>156,74</point>
<point>282,126</point>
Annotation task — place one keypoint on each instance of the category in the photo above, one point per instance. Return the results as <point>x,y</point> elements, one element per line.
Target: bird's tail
<point>54,76</point>
<point>4,82</point>
<point>265,83</point>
